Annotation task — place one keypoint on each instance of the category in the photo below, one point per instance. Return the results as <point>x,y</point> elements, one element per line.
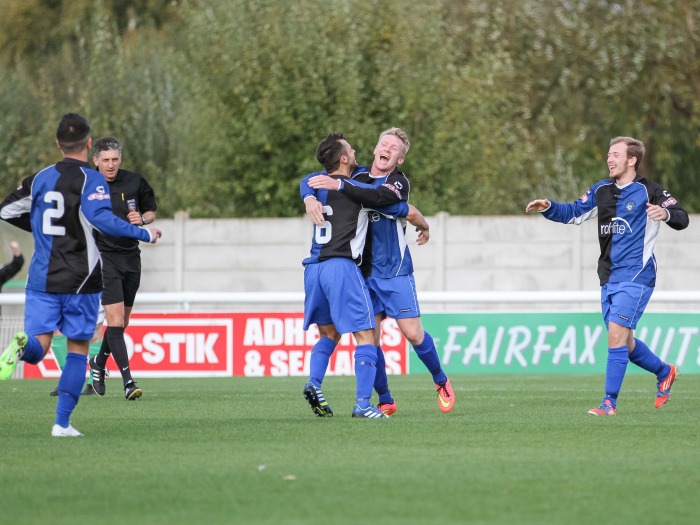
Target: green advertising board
<point>546,342</point>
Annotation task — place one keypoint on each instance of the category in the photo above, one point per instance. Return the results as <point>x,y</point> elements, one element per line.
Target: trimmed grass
<point>515,450</point>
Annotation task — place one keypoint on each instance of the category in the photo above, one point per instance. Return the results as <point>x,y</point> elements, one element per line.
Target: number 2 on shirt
<point>48,227</point>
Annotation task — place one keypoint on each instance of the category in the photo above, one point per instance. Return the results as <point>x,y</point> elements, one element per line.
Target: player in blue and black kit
<point>390,275</point>
<point>337,299</point>
<point>62,205</point>
<point>629,209</point>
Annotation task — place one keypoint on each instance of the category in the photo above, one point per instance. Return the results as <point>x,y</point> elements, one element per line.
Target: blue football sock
<point>365,371</point>
<point>615,372</point>
<point>69,386</point>
<point>381,381</point>
<point>33,351</point>
<point>644,358</point>
<point>427,353</point>
<point>320,357</point>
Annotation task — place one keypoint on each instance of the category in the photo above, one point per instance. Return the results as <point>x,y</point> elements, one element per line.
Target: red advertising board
<point>232,344</point>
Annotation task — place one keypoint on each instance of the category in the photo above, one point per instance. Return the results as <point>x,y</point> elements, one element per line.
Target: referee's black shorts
<point>121,277</point>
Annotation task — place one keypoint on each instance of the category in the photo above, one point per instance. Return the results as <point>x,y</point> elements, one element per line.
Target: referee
<point>133,200</point>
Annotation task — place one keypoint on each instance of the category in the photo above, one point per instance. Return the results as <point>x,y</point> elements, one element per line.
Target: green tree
<point>221,104</point>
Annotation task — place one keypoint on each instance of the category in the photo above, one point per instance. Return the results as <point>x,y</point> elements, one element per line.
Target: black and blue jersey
<point>344,231</point>
<point>385,199</point>
<point>390,255</point>
<point>62,205</point>
<point>625,233</point>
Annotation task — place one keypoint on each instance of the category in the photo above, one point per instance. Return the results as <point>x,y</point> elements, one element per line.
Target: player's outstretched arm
<point>538,205</point>
<point>155,234</point>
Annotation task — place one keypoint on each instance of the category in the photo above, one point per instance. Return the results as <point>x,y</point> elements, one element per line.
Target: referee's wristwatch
<point>143,220</point>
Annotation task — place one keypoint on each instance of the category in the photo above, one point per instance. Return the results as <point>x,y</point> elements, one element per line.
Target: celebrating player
<point>629,209</point>
<point>337,299</point>
<point>390,275</point>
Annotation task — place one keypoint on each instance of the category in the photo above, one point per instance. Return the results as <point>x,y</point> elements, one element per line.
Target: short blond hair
<point>402,136</point>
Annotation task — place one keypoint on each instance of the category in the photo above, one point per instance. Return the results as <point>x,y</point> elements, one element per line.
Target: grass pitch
<point>515,450</point>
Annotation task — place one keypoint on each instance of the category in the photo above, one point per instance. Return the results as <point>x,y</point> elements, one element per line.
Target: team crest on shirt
<point>629,206</point>
<point>584,197</point>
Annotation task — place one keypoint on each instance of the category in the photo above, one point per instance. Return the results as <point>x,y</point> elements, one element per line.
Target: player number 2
<point>324,232</point>
<point>48,227</point>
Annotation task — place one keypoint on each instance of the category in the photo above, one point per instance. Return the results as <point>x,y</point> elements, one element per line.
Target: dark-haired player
<point>389,273</point>
<point>337,299</point>
<point>62,205</point>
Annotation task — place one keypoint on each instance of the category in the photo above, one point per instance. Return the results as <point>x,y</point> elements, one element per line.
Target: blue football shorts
<point>624,303</point>
<point>395,296</point>
<point>336,294</point>
<point>75,315</point>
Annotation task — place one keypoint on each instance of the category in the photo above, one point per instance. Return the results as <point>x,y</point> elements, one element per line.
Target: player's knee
<point>329,332</point>
<point>412,330</point>
<point>415,336</point>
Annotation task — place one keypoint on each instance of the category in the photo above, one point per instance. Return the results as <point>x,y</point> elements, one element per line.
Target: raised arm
<point>13,267</point>
<point>16,207</point>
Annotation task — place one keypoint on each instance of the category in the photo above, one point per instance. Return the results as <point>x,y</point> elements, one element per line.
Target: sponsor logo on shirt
<point>618,225</point>
<point>395,188</point>
<point>98,196</point>
<point>669,202</point>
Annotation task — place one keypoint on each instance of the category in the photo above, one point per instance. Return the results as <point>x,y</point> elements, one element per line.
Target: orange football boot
<point>663,388</point>
<point>445,396</point>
